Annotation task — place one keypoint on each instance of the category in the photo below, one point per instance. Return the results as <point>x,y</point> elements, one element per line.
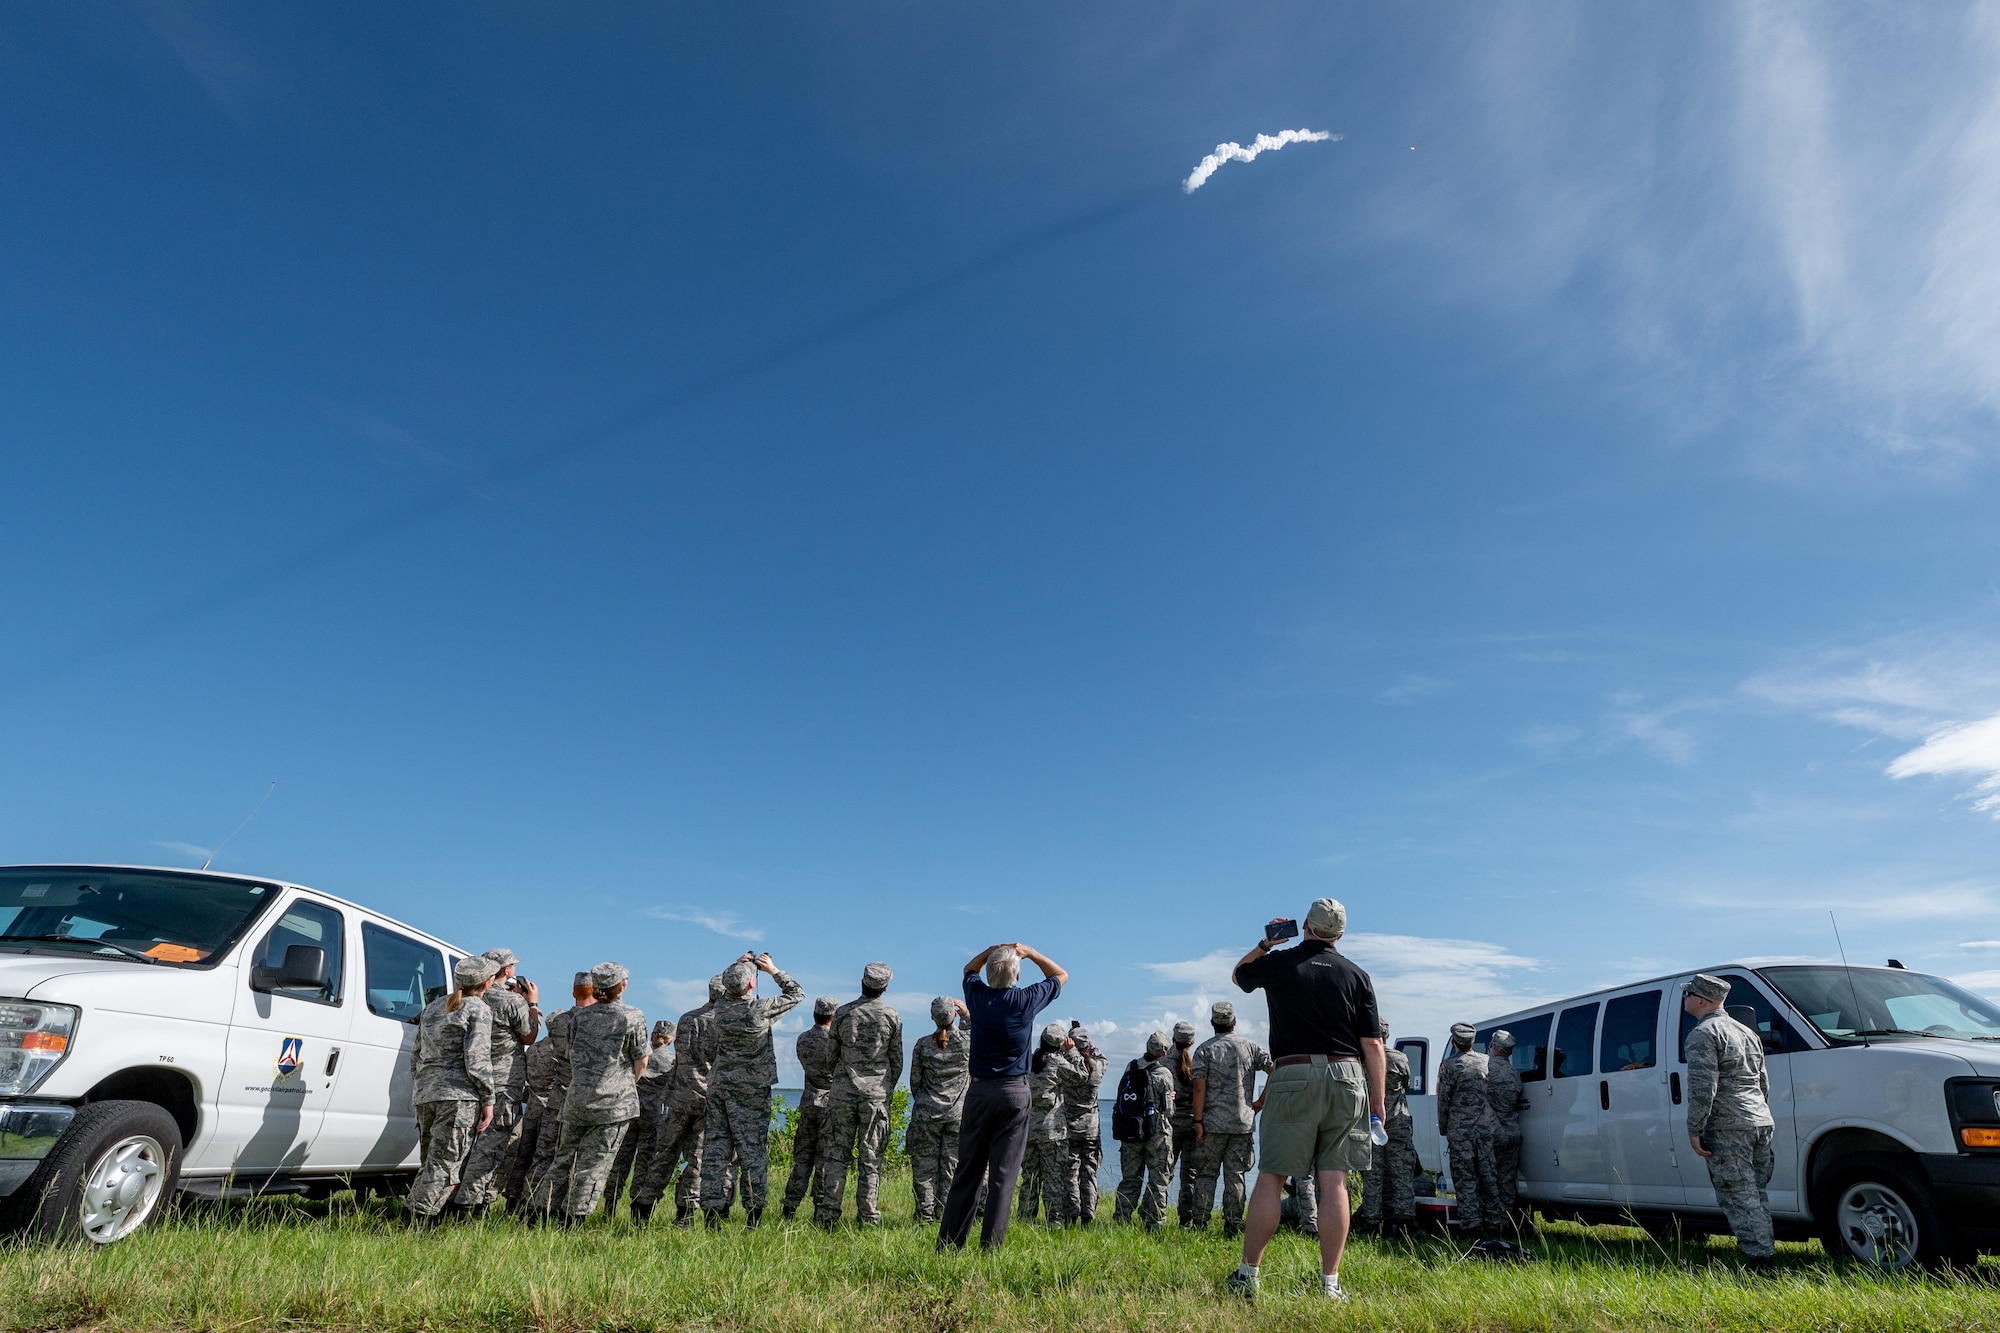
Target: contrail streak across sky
<point>1236,152</point>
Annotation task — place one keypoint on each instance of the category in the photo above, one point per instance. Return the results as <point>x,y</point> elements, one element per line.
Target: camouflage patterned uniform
<point>1503,1089</point>
<point>939,1076</point>
<point>815,1052</point>
<point>1388,1186</point>
<point>605,1041</point>
<point>680,1135</point>
<point>1045,1164</point>
<point>868,1055</point>
<point>1728,1106</point>
<point>738,1122</point>
<point>541,1066</point>
<point>550,1131</point>
<point>1465,1118</point>
<point>635,1150</point>
<point>1301,1210</point>
<point>451,1064</point>
<point>1228,1065</point>
<point>1183,1140</point>
<point>1080,1083</point>
<point>1146,1165</point>
<point>513,1026</point>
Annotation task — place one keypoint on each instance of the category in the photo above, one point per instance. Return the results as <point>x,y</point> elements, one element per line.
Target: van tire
<point>1879,1196</point>
<point>114,1170</point>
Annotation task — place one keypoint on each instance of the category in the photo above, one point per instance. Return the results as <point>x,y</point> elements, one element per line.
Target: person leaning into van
<point>1729,1115</point>
<point>452,1066</point>
<point>1328,1080</point>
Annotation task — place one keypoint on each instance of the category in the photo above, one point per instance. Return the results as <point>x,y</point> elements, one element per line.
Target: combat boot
<point>713,1218</point>
<point>683,1216</point>
<point>790,1210</point>
<point>1231,1230</point>
<point>642,1213</point>
<point>751,1217</point>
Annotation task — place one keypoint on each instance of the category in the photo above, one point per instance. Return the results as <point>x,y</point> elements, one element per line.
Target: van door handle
<point>1604,1094</point>
<point>332,1061</point>
<point>1674,1088</point>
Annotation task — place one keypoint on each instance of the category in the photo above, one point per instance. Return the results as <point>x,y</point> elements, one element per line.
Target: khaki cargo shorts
<point>1315,1119</point>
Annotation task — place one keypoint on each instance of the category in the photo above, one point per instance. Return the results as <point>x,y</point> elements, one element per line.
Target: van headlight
<point>34,1038</point>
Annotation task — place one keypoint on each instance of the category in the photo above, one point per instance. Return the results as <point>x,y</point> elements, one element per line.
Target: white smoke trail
<point>1236,152</point>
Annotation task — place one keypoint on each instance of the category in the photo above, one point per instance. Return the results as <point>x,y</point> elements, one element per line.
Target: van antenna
<point>217,849</point>
<point>1852,994</point>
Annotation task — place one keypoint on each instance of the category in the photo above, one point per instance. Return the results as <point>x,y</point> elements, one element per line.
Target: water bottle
<point>1378,1133</point>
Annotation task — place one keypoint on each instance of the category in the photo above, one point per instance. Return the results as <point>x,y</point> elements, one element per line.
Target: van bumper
<point>1967,1191</point>
<point>28,1133</point>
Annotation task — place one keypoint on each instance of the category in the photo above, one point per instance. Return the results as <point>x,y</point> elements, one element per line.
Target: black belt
<point>1284,1060</point>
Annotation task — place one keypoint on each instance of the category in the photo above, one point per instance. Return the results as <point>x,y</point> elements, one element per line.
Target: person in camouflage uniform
<point>1299,1209</point>
<point>815,1052</point>
<point>451,1066</point>
<point>516,1020</point>
<point>1080,1081</point>
<point>1503,1089</point>
<point>940,1072</point>
<point>868,1061</point>
<point>607,1053</point>
<point>739,1087</point>
<point>635,1150</point>
<point>549,1134</point>
<point>1729,1115</point>
<point>1388,1186</point>
<point>680,1135</point>
<point>1465,1118</point>
<point>1225,1117</point>
<point>1146,1165</point>
<point>540,1063</point>
<point>1180,1062</point>
<point>1045,1164</point>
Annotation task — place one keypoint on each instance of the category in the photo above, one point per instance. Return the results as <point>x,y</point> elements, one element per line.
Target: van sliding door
<point>1632,1102</point>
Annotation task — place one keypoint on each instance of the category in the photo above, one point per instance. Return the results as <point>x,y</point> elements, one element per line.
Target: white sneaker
<point>1331,1289</point>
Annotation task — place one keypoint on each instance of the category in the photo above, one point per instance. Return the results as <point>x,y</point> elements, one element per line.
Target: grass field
<point>286,1265</point>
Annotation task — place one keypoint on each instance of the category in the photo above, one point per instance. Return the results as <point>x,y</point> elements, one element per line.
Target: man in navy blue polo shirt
<point>994,1130</point>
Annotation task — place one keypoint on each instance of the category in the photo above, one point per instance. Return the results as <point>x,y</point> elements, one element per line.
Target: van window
<point>1745,996</point>
<point>1417,1050</point>
<point>1631,1035</point>
<point>403,975</point>
<point>1573,1035</point>
<point>1531,1045</point>
<point>306,923</point>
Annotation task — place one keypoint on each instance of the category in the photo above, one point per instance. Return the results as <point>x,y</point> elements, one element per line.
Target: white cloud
<point>1413,687</point>
<point>1980,944</point>
<point>1968,749</point>
<point>186,849</point>
<point>1983,983</point>
<point>1236,152</point>
<point>680,996</point>
<point>722,923</point>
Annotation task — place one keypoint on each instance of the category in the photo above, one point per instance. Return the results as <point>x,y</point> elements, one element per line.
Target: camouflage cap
<point>1183,1034</point>
<point>825,1007</point>
<point>471,971</point>
<point>1501,1041</point>
<point>876,976</point>
<point>1156,1042</point>
<point>1461,1032</point>
<point>1222,1014</point>
<point>580,982</point>
<point>943,1011</point>
<point>1079,1034</point>
<point>1053,1036</point>
<point>739,978</point>
<point>1326,917</point>
<point>1382,1028</point>
<point>502,957</point>
<point>663,1028</point>
<point>1708,987</point>
<point>609,976</point>
<point>717,987</point>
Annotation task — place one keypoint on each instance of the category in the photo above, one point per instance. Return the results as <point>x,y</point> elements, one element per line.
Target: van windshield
<point>148,916</point>
<point>1849,1006</point>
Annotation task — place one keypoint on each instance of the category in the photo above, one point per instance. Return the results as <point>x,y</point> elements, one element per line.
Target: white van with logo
<point>1885,1085</point>
<point>220,1035</point>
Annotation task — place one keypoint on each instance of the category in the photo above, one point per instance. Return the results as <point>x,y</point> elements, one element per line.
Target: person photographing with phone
<point>1328,1080</point>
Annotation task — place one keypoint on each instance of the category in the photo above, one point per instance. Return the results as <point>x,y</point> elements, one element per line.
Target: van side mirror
<point>304,968</point>
<point>1774,1044</point>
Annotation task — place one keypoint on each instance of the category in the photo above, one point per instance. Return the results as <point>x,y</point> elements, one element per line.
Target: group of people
<point>1004,1116</point>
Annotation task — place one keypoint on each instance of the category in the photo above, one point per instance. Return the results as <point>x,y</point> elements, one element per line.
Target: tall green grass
<point>338,1265</point>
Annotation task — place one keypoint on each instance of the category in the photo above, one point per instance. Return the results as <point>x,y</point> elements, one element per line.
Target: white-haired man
<point>1328,1078</point>
<point>993,1131</point>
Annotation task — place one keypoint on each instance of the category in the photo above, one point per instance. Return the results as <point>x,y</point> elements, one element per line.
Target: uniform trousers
<point>1085,1156</point>
<point>992,1134</point>
<point>444,1132</point>
<point>933,1149</point>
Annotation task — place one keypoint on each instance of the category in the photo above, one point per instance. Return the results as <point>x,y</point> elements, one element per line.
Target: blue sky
<point>655,478</point>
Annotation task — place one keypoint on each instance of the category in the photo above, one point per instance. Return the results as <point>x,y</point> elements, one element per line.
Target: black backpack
<point>1134,1118</point>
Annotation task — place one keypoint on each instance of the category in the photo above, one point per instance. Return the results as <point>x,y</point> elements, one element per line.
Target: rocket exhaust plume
<point>1236,152</point>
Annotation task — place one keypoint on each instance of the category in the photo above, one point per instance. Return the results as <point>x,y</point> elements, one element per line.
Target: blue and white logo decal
<point>291,1055</point>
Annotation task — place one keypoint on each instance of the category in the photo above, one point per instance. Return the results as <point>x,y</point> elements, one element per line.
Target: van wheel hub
<point>123,1188</point>
<point>1878,1225</point>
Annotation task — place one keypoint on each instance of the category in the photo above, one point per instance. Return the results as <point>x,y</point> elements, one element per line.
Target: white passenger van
<point>1885,1085</point>
<point>164,1030</point>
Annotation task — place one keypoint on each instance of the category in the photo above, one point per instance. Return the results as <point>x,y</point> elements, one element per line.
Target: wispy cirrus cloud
<point>722,923</point>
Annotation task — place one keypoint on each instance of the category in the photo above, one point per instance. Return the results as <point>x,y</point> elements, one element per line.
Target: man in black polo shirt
<point>994,1128</point>
<point>1329,1079</point>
